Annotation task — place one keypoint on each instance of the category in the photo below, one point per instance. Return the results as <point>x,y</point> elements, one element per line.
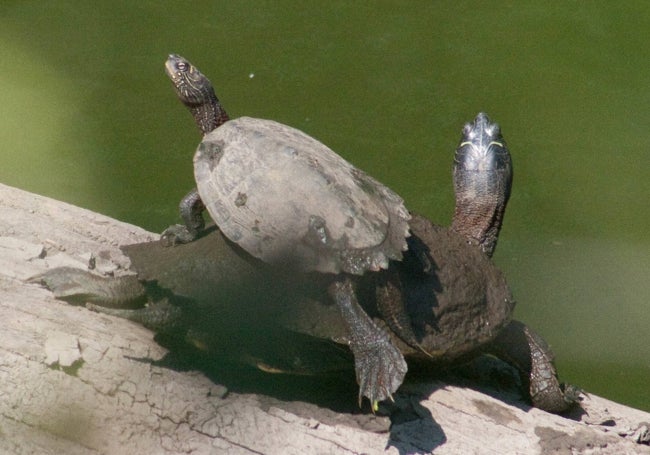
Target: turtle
<point>445,290</point>
<point>286,198</point>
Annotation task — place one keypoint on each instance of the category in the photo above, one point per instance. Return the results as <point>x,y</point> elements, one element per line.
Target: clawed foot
<point>159,316</point>
<point>78,286</point>
<point>379,365</point>
<point>66,283</point>
<point>191,210</point>
<point>526,350</point>
<point>572,394</point>
<point>176,234</point>
<point>380,368</point>
<point>552,396</point>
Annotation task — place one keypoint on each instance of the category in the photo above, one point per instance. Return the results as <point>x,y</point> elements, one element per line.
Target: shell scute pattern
<point>302,201</point>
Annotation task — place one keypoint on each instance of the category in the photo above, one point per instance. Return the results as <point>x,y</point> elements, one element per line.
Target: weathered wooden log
<point>74,381</point>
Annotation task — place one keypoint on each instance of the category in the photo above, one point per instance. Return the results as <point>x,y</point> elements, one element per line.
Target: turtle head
<point>482,146</point>
<point>191,86</point>
<point>195,91</point>
<point>482,182</point>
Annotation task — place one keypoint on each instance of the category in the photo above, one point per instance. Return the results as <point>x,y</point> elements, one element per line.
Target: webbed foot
<point>380,366</point>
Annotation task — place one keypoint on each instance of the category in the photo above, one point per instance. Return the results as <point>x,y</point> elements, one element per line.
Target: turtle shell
<point>286,198</point>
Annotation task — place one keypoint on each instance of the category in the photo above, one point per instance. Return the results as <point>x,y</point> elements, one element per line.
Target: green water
<point>89,117</point>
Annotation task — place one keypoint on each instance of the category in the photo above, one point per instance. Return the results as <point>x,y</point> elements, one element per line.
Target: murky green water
<point>89,117</point>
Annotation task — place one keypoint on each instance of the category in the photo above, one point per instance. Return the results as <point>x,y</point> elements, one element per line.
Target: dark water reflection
<point>88,117</point>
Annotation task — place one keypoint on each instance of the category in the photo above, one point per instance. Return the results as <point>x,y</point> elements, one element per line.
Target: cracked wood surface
<point>77,382</point>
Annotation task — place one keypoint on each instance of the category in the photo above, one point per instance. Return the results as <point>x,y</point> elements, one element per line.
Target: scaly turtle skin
<point>453,300</point>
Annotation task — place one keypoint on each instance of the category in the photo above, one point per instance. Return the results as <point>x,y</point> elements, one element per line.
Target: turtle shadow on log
<point>239,320</point>
<point>328,397</point>
<point>257,329</point>
<point>232,323</point>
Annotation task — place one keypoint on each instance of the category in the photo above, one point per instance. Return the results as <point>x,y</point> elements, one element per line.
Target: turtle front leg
<point>523,348</point>
<point>391,306</point>
<point>380,367</point>
<point>191,209</point>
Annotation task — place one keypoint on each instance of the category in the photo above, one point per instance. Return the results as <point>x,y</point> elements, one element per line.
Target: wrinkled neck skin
<point>480,205</point>
<point>208,116</point>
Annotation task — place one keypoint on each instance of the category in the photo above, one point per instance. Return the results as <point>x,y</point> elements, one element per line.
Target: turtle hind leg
<point>523,348</point>
<point>78,286</point>
<point>123,296</point>
<point>380,367</point>
<point>191,209</point>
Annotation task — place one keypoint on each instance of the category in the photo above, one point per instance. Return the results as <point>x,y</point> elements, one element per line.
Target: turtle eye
<point>182,66</point>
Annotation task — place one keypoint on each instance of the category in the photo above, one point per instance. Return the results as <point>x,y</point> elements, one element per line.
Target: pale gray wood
<point>71,381</point>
